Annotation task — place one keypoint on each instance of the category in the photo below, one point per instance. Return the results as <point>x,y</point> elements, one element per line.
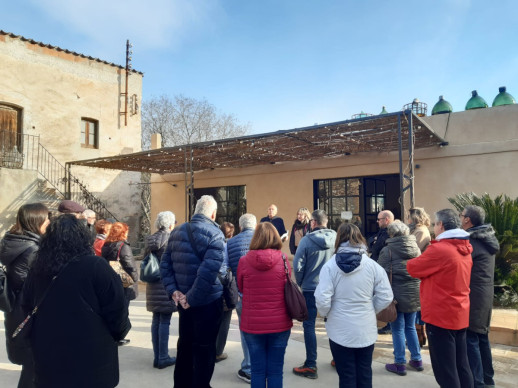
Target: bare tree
<point>185,120</point>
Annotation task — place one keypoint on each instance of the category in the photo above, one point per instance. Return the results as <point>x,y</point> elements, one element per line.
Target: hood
<point>405,245</point>
<point>323,238</point>
<point>461,244</point>
<point>453,233</point>
<point>485,234</point>
<point>13,245</point>
<point>348,258</point>
<point>263,259</point>
<point>157,240</point>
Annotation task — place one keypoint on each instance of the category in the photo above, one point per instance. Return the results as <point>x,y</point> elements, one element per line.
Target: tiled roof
<point>11,35</point>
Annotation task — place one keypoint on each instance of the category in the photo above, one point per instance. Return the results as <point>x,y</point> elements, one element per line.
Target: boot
<point>163,347</point>
<point>421,336</point>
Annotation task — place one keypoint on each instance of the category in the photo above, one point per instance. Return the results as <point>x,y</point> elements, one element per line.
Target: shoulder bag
<point>116,265</point>
<point>150,269</point>
<point>295,301</point>
<point>389,313</point>
<point>6,296</point>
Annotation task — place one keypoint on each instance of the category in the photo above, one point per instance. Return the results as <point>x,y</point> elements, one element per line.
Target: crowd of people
<point>443,289</point>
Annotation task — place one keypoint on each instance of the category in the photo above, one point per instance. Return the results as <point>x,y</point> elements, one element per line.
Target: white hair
<point>164,220</point>
<point>88,213</point>
<point>397,228</point>
<point>206,205</point>
<point>247,221</point>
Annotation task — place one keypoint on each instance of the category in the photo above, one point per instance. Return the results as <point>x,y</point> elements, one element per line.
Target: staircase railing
<point>19,151</point>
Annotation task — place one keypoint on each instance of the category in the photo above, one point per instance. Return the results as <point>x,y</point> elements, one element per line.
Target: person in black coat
<point>18,250</point>
<point>117,248</point>
<point>83,312</point>
<point>157,300</point>
<point>300,228</point>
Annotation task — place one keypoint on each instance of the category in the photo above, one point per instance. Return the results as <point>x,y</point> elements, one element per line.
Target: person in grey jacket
<point>399,248</point>
<point>157,300</point>
<point>314,250</point>
<point>485,245</point>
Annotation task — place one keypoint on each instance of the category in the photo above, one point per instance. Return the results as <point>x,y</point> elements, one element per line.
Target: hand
<point>183,302</point>
<point>177,296</point>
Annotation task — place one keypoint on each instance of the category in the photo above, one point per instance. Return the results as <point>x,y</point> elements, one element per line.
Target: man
<point>445,271</point>
<point>314,250</point>
<point>189,269</point>
<point>237,247</point>
<point>71,207</point>
<point>89,216</point>
<point>276,221</point>
<point>485,245</point>
<point>385,218</point>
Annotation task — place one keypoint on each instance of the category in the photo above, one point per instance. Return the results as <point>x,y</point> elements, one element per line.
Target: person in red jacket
<point>265,322</point>
<point>445,272</point>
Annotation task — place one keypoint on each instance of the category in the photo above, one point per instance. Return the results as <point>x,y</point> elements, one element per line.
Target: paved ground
<point>137,371</point>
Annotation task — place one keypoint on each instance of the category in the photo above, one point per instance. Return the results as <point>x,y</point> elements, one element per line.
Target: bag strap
<point>119,251</point>
<point>191,239</point>
<point>35,309</point>
<point>286,267</point>
<point>390,273</point>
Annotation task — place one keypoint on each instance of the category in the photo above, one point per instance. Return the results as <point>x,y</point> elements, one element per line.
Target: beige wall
<point>481,157</point>
<point>55,90</point>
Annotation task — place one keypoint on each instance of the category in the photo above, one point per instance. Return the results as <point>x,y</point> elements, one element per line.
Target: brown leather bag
<point>295,301</point>
<point>389,313</point>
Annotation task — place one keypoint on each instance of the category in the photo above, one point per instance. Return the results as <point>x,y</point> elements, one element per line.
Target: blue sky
<point>292,63</point>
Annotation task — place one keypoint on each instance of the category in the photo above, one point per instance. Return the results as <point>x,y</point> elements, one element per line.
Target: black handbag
<point>295,301</point>
<point>6,296</point>
<point>150,269</point>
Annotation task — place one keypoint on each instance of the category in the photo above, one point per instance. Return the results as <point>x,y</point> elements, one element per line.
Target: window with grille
<point>89,133</point>
<point>231,202</point>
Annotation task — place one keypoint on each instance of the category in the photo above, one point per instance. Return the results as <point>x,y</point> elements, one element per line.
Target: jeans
<point>267,356</point>
<point>310,338</point>
<point>449,357</point>
<point>196,349</point>
<point>353,365</point>
<point>245,364</point>
<point>403,328</point>
<point>160,335</point>
<point>480,359</point>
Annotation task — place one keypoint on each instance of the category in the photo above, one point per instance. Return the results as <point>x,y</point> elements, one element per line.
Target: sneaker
<point>306,371</point>
<point>417,365</point>
<point>385,330</point>
<point>221,357</point>
<point>244,376</point>
<point>123,342</point>
<point>333,363</point>
<point>398,369</point>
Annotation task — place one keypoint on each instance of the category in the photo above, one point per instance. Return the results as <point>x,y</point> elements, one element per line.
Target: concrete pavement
<point>136,359</point>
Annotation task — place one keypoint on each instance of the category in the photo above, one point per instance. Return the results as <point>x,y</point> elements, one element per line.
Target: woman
<point>18,250</point>
<point>353,288</point>
<point>300,228</point>
<point>102,228</point>
<point>228,231</point>
<point>82,314</point>
<point>399,248</point>
<point>157,300</point>
<point>265,323</point>
<point>117,248</point>
<point>419,222</point>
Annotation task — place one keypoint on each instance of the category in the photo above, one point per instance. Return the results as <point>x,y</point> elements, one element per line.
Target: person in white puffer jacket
<point>353,288</point>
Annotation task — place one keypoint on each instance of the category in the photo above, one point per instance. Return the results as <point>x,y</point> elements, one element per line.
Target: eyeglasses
<point>311,219</point>
<point>462,215</point>
<point>379,219</point>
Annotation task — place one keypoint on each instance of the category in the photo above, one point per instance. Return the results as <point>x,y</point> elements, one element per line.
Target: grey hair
<point>247,221</point>
<point>164,220</point>
<point>206,205</point>
<point>476,214</point>
<point>448,218</point>
<point>397,228</point>
<point>320,217</point>
<point>88,213</point>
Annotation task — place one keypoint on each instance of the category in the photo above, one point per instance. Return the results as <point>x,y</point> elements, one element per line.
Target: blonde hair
<point>418,216</point>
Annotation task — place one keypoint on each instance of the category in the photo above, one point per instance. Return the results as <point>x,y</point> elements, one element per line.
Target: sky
<point>283,64</point>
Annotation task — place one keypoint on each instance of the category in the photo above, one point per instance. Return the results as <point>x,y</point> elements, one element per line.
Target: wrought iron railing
<point>19,151</point>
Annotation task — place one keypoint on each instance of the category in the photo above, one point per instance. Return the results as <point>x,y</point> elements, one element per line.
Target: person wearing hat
<point>68,206</point>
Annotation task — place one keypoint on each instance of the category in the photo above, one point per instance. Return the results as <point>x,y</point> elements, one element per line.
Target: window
<point>231,202</point>
<point>11,145</point>
<point>335,196</point>
<point>89,133</point>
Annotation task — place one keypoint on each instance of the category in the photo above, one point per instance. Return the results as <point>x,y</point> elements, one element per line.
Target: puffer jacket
<point>405,288</point>
<point>17,253</point>
<point>485,245</point>
<point>181,269</point>
<point>352,289</point>
<point>314,250</point>
<point>237,247</point>
<point>157,300</point>
<point>445,272</point>
<point>261,277</point>
<point>109,252</point>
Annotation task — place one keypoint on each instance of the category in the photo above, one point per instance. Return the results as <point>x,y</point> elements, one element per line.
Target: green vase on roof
<point>383,111</point>
<point>442,106</point>
<point>475,102</point>
<point>503,98</point>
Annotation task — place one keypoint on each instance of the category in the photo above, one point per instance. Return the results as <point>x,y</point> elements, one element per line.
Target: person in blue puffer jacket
<point>189,271</point>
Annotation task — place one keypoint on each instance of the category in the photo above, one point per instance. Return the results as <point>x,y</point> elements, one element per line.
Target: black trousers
<point>196,349</point>
<point>449,356</point>
<point>353,365</point>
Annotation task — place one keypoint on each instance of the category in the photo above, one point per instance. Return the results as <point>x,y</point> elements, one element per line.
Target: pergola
<point>384,133</point>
